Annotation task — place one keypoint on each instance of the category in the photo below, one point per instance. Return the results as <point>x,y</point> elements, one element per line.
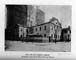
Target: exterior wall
<point>67,36</point>
<point>12,33</point>
<point>43,31</point>
<point>22,31</point>
<point>57,28</point>
<point>31,17</point>
<point>40,17</point>
<point>16,14</point>
<point>35,16</point>
<point>52,31</point>
<point>58,33</point>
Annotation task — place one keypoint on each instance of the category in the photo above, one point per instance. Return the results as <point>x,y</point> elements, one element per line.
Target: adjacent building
<point>40,17</point>
<point>31,15</point>
<point>16,14</point>
<point>35,16</point>
<point>66,34</point>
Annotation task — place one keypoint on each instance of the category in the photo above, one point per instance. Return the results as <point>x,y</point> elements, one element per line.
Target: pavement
<point>38,47</point>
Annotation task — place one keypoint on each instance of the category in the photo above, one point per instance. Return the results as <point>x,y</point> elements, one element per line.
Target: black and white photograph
<point>38,28</point>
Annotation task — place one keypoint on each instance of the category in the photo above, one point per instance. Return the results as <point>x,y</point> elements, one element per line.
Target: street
<point>40,47</point>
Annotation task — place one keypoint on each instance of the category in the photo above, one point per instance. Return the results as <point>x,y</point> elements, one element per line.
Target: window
<point>44,27</point>
<point>40,28</point>
<point>44,35</point>
<point>36,29</point>
<point>27,31</point>
<point>56,22</point>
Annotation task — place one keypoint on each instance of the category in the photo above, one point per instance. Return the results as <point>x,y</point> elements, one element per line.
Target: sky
<point>62,12</point>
